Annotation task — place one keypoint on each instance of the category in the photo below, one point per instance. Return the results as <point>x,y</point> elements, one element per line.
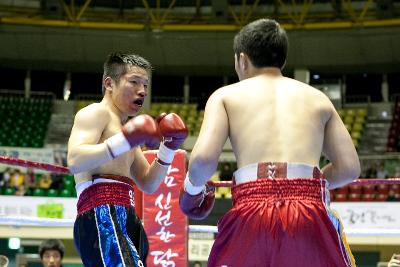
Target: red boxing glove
<point>140,130</point>
<point>198,206</point>
<point>173,129</point>
<point>174,133</point>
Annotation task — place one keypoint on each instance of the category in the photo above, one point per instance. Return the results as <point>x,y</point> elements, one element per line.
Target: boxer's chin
<point>134,110</point>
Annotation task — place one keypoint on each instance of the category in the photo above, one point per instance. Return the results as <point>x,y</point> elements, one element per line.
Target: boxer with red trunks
<point>105,156</point>
<point>278,128</point>
<point>291,223</point>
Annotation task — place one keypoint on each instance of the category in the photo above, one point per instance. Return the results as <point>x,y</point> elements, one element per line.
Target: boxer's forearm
<point>153,178</point>
<point>340,176</point>
<point>84,158</point>
<point>201,170</point>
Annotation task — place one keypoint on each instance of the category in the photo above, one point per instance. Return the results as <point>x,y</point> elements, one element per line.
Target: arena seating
<point>66,188</point>
<point>188,112</point>
<point>352,193</point>
<point>366,193</point>
<point>354,120</point>
<point>393,144</point>
<point>24,121</point>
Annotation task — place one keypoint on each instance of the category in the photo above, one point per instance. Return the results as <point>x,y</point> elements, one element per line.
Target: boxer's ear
<point>108,83</point>
<point>243,61</point>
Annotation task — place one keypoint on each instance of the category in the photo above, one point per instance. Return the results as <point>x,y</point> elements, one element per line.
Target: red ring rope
<point>65,170</point>
<point>355,182</point>
<point>34,165</point>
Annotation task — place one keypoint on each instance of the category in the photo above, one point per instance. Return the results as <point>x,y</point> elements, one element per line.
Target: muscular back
<point>271,118</point>
<point>276,119</point>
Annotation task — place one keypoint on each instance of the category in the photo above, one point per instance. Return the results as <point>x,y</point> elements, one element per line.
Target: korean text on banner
<point>166,226</point>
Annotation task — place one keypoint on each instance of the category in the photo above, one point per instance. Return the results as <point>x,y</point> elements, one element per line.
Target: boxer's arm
<point>174,132</point>
<point>196,199</point>
<point>212,137</point>
<point>148,177</point>
<point>84,153</point>
<point>338,146</point>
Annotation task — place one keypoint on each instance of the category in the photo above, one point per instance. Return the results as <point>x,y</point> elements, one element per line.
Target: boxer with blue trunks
<point>105,156</point>
<point>107,230</point>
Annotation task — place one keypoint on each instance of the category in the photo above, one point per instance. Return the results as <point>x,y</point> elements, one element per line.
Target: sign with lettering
<point>166,226</point>
<point>38,207</point>
<point>199,250</point>
<point>368,215</point>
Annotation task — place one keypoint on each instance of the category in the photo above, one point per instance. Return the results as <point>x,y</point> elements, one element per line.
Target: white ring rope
<point>35,221</point>
<point>17,221</point>
<point>203,229</point>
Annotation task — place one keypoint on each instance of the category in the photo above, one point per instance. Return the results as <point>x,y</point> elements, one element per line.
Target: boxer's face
<point>51,258</point>
<point>130,91</point>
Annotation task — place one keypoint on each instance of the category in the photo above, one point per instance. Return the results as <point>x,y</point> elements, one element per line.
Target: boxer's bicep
<point>214,129</point>
<point>338,145</point>
<point>89,124</point>
<point>212,137</point>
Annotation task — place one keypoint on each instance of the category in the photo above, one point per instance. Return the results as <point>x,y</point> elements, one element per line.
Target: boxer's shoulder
<point>93,112</point>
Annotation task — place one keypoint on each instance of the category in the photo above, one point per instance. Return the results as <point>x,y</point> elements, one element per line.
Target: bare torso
<point>271,118</point>
<point>117,166</point>
<point>275,119</point>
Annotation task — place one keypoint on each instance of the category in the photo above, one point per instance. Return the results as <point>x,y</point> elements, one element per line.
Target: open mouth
<point>138,102</point>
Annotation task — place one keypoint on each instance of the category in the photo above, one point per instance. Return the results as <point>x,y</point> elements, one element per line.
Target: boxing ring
<point>18,222</point>
<point>29,221</point>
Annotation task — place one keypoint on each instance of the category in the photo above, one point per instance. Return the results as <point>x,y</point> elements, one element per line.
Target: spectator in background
<point>30,179</point>
<point>394,261</point>
<point>197,264</point>
<point>2,179</point>
<point>51,252</point>
<point>226,172</point>
<point>57,181</point>
<point>60,157</point>
<point>3,261</point>
<point>392,196</point>
<point>371,171</point>
<point>20,190</point>
<point>6,177</point>
<point>45,182</point>
<point>17,179</point>
<point>381,172</point>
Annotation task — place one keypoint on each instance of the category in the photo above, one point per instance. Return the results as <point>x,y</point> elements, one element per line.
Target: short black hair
<point>4,261</point>
<point>264,41</point>
<point>117,62</point>
<point>51,244</point>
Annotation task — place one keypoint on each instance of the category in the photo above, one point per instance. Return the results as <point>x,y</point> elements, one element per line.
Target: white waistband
<point>249,172</point>
<point>83,185</point>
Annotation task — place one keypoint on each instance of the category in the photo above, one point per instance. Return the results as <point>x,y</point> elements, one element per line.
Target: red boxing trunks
<point>107,231</point>
<point>280,217</point>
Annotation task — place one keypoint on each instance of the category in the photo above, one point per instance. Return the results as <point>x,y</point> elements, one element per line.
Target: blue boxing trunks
<point>107,231</point>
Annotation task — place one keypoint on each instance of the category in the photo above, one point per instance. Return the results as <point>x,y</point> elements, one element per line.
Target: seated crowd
<point>29,183</point>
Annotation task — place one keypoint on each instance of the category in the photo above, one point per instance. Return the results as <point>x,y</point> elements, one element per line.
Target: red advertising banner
<point>166,226</point>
